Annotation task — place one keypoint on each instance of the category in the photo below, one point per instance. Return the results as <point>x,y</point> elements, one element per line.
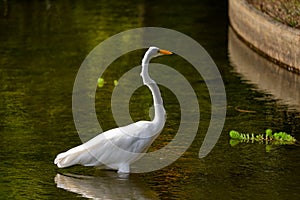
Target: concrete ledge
<point>275,40</point>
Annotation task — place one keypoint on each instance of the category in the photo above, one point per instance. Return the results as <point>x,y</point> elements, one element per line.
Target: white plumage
<point>119,147</point>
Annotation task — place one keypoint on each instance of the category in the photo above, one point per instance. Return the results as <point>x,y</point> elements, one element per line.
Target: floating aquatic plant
<point>268,137</point>
<point>115,82</point>
<point>100,82</point>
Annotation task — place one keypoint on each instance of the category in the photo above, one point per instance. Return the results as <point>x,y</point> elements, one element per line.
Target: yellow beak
<point>165,52</point>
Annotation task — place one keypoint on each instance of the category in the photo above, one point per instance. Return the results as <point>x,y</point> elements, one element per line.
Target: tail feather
<point>87,154</point>
<point>77,155</point>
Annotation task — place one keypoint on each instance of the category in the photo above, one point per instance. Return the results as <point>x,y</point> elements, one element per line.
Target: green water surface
<point>42,45</point>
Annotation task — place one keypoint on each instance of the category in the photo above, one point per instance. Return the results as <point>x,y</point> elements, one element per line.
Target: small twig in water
<point>244,111</point>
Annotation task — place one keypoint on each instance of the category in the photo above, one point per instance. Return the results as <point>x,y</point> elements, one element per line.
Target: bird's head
<point>151,53</point>
<point>154,52</point>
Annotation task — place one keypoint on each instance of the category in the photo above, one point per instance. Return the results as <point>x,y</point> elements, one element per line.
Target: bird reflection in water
<point>108,185</point>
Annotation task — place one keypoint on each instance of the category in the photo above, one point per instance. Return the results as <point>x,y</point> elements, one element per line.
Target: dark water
<point>43,44</point>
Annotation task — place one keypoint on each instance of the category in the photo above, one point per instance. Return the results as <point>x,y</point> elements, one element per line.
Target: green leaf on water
<point>100,82</point>
<point>234,134</point>
<point>115,82</point>
<point>269,132</point>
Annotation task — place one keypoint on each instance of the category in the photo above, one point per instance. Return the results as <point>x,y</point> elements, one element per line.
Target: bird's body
<point>119,147</point>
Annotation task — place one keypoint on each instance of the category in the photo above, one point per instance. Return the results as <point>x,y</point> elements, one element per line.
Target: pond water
<point>43,44</point>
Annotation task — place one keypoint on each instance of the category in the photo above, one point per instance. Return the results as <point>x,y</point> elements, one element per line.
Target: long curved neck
<point>159,110</point>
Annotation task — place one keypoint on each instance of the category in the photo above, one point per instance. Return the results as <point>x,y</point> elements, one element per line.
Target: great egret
<point>119,147</point>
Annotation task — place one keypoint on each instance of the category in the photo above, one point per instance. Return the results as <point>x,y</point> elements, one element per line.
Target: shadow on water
<point>269,77</point>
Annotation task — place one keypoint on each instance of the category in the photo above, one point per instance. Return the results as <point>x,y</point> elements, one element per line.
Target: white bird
<point>118,148</point>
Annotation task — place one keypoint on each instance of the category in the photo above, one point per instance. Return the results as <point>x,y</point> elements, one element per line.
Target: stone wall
<point>274,39</point>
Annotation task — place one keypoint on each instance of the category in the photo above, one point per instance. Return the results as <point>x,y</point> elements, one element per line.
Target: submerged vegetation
<point>280,138</point>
